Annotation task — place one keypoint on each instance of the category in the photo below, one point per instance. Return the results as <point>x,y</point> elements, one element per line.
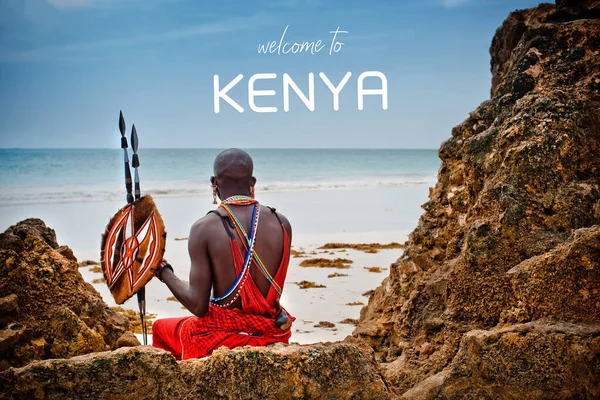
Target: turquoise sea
<point>83,175</point>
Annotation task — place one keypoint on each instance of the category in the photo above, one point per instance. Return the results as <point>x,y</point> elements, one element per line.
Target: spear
<point>135,162</point>
<point>126,158</point>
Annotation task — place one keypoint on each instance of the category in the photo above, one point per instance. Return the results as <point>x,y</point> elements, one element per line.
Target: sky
<point>68,66</point>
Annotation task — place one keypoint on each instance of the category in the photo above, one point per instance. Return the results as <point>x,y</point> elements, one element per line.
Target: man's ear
<point>213,180</point>
<point>253,182</point>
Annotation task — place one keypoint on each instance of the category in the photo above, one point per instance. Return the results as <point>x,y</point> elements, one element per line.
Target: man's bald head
<point>234,167</point>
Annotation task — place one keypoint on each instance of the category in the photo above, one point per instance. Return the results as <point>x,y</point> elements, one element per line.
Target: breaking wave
<point>17,195</point>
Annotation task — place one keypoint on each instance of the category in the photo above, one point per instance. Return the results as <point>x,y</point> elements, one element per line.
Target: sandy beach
<point>318,217</point>
<point>341,299</point>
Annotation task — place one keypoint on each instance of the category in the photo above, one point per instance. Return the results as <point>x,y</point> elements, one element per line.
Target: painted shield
<point>132,247</point>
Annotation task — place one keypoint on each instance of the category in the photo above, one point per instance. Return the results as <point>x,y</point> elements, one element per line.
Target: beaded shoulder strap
<point>244,237</point>
<point>242,277</point>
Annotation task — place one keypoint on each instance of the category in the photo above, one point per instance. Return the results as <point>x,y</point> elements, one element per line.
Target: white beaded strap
<point>241,280</point>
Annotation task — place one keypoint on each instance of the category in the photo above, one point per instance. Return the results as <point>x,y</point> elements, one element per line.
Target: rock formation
<point>497,294</point>
<point>47,310</point>
<point>338,370</point>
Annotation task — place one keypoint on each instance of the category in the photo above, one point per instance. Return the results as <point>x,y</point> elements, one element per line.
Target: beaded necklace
<point>239,200</point>
<point>241,279</point>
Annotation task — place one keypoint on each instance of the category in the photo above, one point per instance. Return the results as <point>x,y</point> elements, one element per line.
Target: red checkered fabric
<point>230,328</point>
<point>253,325</point>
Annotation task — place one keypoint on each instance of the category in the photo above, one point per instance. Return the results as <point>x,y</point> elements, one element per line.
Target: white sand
<point>309,306</point>
<point>79,225</point>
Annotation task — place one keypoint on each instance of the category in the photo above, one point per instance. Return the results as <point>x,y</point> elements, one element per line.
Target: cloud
<point>295,3</point>
<point>70,3</point>
<point>228,25</point>
<point>108,4</point>
<point>453,3</point>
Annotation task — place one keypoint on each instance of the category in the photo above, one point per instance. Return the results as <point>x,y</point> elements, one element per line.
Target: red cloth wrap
<point>253,325</point>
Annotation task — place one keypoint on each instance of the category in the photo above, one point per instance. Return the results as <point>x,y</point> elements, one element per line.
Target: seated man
<point>241,251</point>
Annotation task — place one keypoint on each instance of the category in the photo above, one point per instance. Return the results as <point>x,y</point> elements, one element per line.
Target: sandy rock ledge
<point>339,370</point>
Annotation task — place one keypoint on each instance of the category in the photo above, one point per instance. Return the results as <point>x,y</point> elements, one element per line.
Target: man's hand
<point>164,264</point>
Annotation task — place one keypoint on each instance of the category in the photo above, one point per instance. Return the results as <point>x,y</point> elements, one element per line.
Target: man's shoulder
<point>204,224</point>
<point>280,216</point>
<point>271,209</point>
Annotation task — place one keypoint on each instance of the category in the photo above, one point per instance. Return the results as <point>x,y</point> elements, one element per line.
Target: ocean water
<point>84,175</point>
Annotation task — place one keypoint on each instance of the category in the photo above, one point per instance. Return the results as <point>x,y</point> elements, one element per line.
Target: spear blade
<point>122,127</point>
<point>128,185</point>
<point>134,140</point>
<point>135,161</point>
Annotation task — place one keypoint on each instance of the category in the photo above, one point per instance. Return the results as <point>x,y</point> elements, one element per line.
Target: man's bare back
<point>209,246</point>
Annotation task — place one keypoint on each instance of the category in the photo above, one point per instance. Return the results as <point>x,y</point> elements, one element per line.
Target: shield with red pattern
<point>132,248</point>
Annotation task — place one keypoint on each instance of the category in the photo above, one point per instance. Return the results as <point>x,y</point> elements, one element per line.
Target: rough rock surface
<point>502,274</point>
<point>126,373</point>
<point>338,370</point>
<point>530,361</point>
<point>47,310</point>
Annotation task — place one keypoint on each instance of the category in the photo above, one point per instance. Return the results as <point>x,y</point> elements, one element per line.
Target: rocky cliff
<point>47,310</point>
<point>497,294</point>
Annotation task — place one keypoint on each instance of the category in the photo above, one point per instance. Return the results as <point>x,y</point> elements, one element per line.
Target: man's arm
<point>195,296</point>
